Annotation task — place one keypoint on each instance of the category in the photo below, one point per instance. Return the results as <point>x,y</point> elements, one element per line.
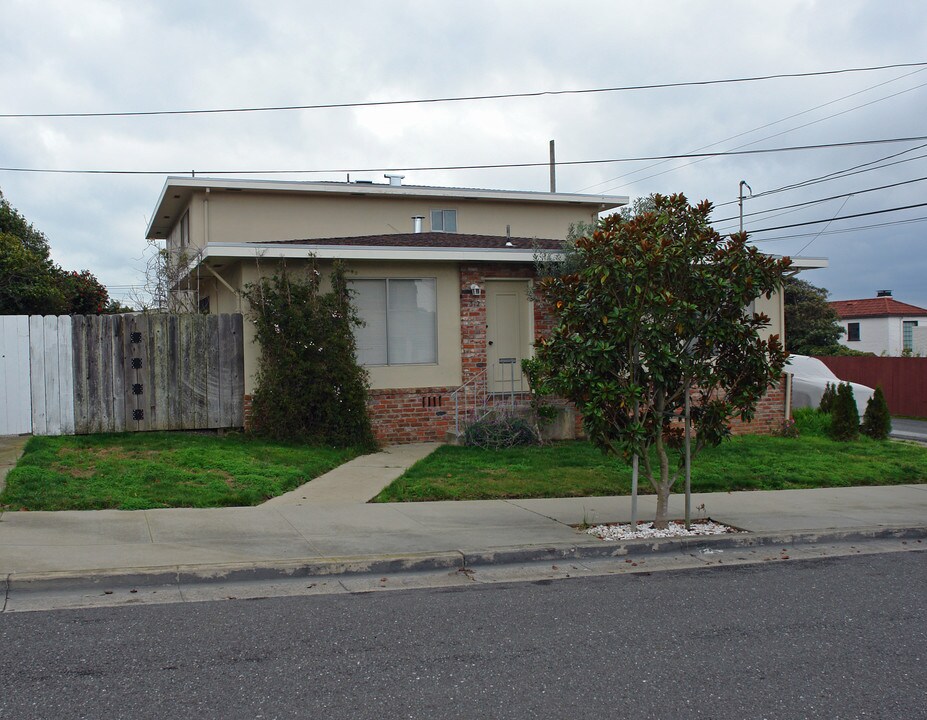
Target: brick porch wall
<point>411,415</point>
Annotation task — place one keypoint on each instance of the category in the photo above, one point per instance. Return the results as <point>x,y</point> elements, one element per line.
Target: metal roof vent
<point>394,180</point>
<point>417,221</point>
<point>884,293</point>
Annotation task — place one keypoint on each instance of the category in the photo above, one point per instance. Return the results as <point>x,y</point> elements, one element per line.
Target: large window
<point>907,333</point>
<point>400,321</point>
<point>444,221</point>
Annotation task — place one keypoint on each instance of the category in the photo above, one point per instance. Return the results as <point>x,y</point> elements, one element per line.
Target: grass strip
<point>136,471</point>
<point>578,469</point>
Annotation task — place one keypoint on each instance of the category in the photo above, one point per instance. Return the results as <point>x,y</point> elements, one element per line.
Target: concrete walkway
<point>11,449</point>
<point>358,480</point>
<point>328,527</point>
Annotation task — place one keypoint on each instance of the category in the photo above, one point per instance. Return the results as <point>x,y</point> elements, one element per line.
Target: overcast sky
<point>82,56</point>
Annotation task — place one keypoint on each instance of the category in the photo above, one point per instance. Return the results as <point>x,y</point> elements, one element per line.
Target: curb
<point>182,575</point>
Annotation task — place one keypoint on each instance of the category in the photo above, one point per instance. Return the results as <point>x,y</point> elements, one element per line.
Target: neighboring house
<point>880,325</point>
<point>441,276</point>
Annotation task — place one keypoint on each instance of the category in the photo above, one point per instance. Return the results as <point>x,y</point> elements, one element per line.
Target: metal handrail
<point>475,392</point>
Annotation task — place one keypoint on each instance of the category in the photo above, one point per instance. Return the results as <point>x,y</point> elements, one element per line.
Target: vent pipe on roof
<point>884,293</point>
<point>394,180</point>
<point>417,223</point>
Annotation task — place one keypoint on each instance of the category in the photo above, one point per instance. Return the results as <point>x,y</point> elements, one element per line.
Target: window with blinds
<point>400,321</point>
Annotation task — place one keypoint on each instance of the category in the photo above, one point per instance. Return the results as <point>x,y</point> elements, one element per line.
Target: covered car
<point>809,379</point>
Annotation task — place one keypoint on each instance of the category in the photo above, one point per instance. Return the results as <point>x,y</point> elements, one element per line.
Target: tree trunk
<point>661,520</point>
<point>662,486</point>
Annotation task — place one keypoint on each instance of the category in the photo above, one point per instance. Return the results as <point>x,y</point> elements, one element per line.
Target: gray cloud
<point>66,56</point>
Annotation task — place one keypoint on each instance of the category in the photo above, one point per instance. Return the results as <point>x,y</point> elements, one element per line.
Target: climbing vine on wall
<point>309,386</point>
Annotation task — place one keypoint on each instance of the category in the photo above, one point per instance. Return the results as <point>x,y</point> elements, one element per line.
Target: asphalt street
<point>832,638</point>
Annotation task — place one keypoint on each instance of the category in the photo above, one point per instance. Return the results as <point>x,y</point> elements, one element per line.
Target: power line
<point>840,231</point>
<point>836,175</point>
<point>832,197</point>
<point>462,98</point>
<point>486,166</point>
<point>839,210</point>
<point>844,217</point>
<point>774,135</point>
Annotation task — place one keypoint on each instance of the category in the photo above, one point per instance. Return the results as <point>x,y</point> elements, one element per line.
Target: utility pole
<point>553,169</point>
<point>740,200</point>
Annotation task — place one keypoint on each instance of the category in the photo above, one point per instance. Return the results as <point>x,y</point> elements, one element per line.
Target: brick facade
<point>425,414</point>
<point>411,415</point>
<point>770,414</point>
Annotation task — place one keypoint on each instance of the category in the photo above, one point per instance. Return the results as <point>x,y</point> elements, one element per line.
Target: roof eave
<point>367,252</point>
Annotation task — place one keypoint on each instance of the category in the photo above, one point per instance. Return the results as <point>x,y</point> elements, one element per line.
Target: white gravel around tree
<point>647,530</point>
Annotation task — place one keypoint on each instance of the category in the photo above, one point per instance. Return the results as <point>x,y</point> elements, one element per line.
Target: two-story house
<point>441,275</point>
<point>880,325</point>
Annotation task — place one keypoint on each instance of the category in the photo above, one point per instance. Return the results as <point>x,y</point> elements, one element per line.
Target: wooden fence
<point>903,379</point>
<point>115,373</point>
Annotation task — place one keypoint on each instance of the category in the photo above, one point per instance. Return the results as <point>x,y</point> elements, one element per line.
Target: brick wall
<point>411,415</point>
<point>770,414</point>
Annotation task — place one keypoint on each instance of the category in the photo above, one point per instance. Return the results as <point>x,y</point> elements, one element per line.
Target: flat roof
<point>177,192</point>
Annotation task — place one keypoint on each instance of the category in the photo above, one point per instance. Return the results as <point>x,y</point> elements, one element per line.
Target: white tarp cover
<point>809,378</point>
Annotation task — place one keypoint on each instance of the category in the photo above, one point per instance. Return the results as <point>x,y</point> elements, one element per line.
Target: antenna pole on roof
<point>553,168</point>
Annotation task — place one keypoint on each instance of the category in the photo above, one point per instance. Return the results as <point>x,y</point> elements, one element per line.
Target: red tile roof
<point>433,240</point>
<point>874,307</point>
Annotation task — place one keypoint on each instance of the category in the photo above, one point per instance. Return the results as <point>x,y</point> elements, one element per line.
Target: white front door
<point>507,333</point>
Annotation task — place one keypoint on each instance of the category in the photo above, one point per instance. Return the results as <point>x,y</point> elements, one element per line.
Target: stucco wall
<point>249,217</point>
<point>774,310</point>
<point>882,336</point>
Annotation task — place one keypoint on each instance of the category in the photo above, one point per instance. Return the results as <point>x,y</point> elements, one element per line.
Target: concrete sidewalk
<point>321,537</point>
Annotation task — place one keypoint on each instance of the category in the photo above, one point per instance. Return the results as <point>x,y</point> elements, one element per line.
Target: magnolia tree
<point>650,309</point>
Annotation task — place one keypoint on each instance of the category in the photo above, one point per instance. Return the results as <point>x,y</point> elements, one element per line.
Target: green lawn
<point>134,471</point>
<point>576,469</point>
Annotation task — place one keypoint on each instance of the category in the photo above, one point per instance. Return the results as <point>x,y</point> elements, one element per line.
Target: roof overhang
<point>807,263</point>
<point>291,251</point>
<point>177,192</point>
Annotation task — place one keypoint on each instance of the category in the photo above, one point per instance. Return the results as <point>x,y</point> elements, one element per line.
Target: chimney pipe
<point>417,223</point>
<point>884,293</point>
<point>394,180</point>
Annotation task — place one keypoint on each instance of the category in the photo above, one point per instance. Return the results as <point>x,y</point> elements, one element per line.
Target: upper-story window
<point>444,221</point>
<point>185,230</point>
<point>907,333</point>
<point>853,332</point>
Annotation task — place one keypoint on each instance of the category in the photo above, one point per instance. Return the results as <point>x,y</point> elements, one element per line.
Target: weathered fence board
<point>66,374</point>
<point>156,390</point>
<point>119,374</point>
<point>52,375</point>
<point>37,369</point>
<point>15,392</point>
<point>173,374</point>
<point>234,351</point>
<point>112,373</point>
